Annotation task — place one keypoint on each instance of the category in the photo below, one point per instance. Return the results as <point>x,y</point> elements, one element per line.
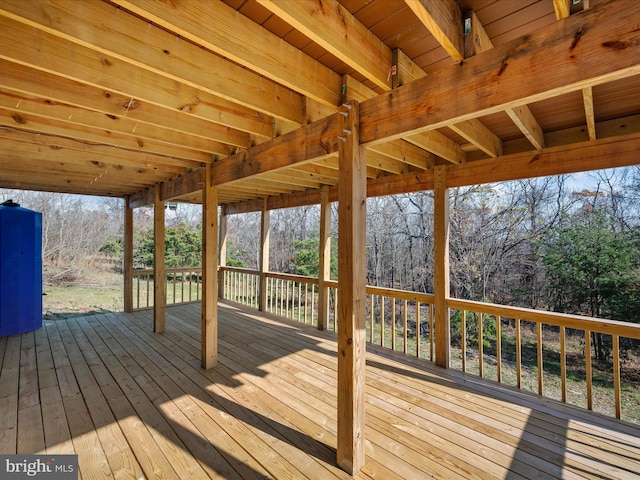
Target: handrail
<point>577,322</point>
<point>567,326</point>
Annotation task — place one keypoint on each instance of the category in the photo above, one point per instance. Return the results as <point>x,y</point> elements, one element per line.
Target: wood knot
<point>616,45</point>
<point>130,105</point>
<point>576,39</point>
<point>18,119</point>
<point>503,67</point>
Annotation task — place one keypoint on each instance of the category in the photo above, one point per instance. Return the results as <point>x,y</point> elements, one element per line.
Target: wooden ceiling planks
<point>140,84</point>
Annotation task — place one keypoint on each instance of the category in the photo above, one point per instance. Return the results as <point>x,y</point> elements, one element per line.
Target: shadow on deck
<point>133,404</point>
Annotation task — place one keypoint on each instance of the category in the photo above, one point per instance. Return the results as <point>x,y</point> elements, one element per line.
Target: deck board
<point>134,404</point>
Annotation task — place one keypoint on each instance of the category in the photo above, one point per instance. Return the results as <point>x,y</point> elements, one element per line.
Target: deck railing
<point>241,285</point>
<point>396,319</point>
<point>184,285</point>
<point>293,296</point>
<point>547,353</point>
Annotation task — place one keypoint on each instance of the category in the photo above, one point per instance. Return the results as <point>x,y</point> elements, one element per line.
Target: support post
<point>264,255</point>
<point>441,266</point>
<point>159,272</point>
<point>128,255</point>
<point>352,198</point>
<point>209,328</point>
<point>324,258</point>
<point>222,258</point>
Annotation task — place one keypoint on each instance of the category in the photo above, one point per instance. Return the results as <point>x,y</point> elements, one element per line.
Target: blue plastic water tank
<point>20,269</point>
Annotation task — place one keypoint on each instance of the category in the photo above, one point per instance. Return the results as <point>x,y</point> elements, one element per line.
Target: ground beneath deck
<point>133,404</point>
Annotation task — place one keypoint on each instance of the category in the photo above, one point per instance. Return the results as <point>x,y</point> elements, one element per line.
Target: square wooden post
<point>324,258</point>
<point>128,256</point>
<point>352,198</point>
<point>264,255</point>
<point>209,327</point>
<point>441,266</point>
<point>159,271</point>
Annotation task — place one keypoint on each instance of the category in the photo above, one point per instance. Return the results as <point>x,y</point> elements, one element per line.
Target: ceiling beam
<point>474,131</point>
<point>561,8</point>
<point>444,20</point>
<point>589,111</point>
<point>612,152</point>
<point>23,105</point>
<point>476,39</point>
<point>43,125</point>
<point>331,26</point>
<point>49,87</point>
<point>440,145</point>
<point>49,53</point>
<point>223,30</point>
<point>602,39</point>
<point>565,159</point>
<point>479,135</point>
<point>106,153</point>
<point>313,141</point>
<point>528,125</point>
<point>144,45</point>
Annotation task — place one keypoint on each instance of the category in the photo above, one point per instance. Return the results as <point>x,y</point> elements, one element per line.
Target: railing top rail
<point>146,271</point>
<point>577,322</point>
<point>141,272</point>
<point>293,277</point>
<point>239,269</point>
<point>401,294</point>
<point>184,270</point>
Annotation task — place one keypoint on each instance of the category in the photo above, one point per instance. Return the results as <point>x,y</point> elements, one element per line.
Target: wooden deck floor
<point>135,405</point>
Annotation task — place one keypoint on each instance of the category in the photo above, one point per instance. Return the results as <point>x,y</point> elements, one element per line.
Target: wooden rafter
<point>330,25</point>
<point>142,90</point>
<point>443,19</point>
<point>561,8</point>
<point>527,123</point>
<point>233,36</point>
<point>589,111</point>
<point>500,72</point>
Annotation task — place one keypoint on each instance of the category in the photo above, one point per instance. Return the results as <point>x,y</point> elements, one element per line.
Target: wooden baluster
<point>540,359</point>
<point>405,327</point>
<point>432,319</point>
<point>563,363</point>
<point>518,354</point>
<point>174,287</point>
<point>418,329</point>
<point>371,306</point>
<point>499,346</point>
<point>393,323</point>
<point>588,368</point>
<point>616,375</point>
<point>306,303</point>
<point>381,321</point>
<point>480,345</point>
<point>138,292</point>
<point>148,289</point>
<point>464,340</point>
